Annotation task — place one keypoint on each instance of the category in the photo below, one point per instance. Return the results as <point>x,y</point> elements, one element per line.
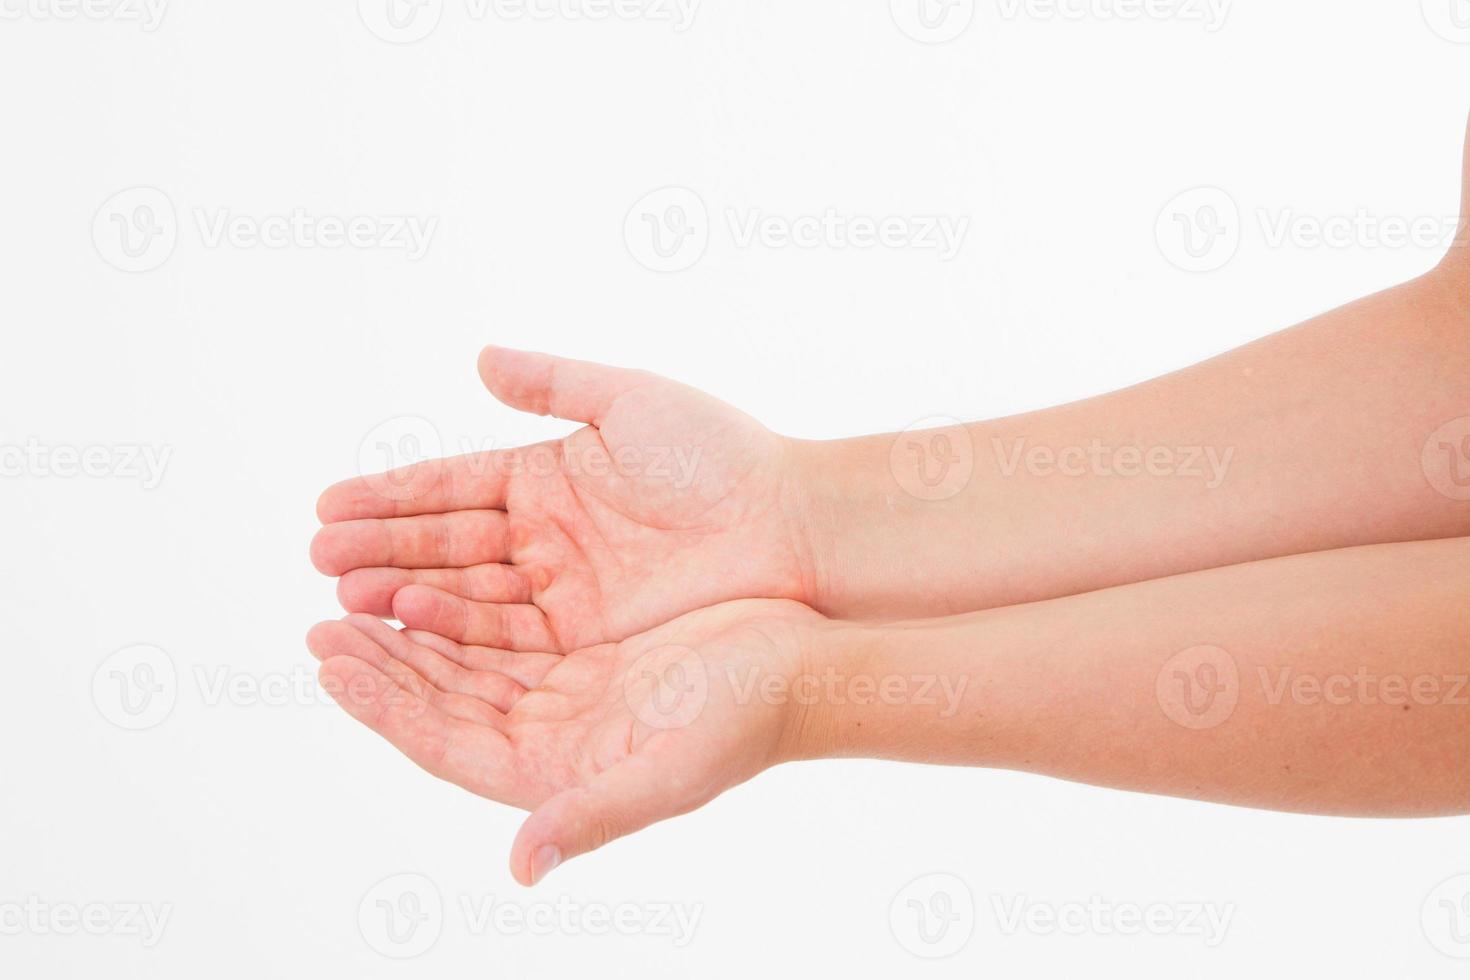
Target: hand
<point>667,501</point>
<point>600,742</point>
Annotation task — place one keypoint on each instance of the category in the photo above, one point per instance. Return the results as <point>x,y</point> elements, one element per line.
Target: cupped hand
<point>666,501</point>
<point>598,743</point>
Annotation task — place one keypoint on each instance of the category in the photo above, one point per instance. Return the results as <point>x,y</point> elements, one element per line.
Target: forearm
<point>1311,439</point>
<point>1335,682</point>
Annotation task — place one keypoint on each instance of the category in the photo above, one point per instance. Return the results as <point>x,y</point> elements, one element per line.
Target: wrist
<point>835,658</point>
<point>919,690</point>
<point>841,495</point>
<point>888,524</point>
<point>815,492</point>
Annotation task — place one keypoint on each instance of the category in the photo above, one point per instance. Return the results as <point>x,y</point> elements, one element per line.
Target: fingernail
<point>544,862</point>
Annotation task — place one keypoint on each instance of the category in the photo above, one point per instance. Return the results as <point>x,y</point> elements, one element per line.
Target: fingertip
<point>319,639</point>
<point>515,377</point>
<point>363,590</point>
<point>520,869</point>
<point>417,606</point>
<point>488,365</point>
<point>323,552</point>
<point>533,856</point>
<point>326,505</point>
<point>347,593</point>
<point>316,553</point>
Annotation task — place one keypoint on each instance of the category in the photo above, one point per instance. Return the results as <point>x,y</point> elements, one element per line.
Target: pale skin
<point>564,603</point>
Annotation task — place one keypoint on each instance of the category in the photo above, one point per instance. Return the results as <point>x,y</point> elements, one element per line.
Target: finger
<point>487,624</point>
<point>579,391</point>
<point>477,481</point>
<point>616,802</point>
<point>468,755</point>
<point>495,689</point>
<point>353,637</point>
<point>458,691</point>
<point>457,540</point>
<point>371,590</point>
<point>526,669</point>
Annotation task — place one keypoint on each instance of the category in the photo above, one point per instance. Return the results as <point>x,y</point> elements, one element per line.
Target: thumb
<point>626,798</point>
<point>578,391</point>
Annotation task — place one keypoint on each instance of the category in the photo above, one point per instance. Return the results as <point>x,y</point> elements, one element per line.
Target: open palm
<point>599,742</point>
<point>667,501</point>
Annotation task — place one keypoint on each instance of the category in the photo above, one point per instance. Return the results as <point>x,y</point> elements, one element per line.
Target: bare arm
<point>1352,428</point>
<point>1335,683</point>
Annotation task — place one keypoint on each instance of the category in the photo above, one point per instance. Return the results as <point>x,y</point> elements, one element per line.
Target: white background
<point>263,372</point>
